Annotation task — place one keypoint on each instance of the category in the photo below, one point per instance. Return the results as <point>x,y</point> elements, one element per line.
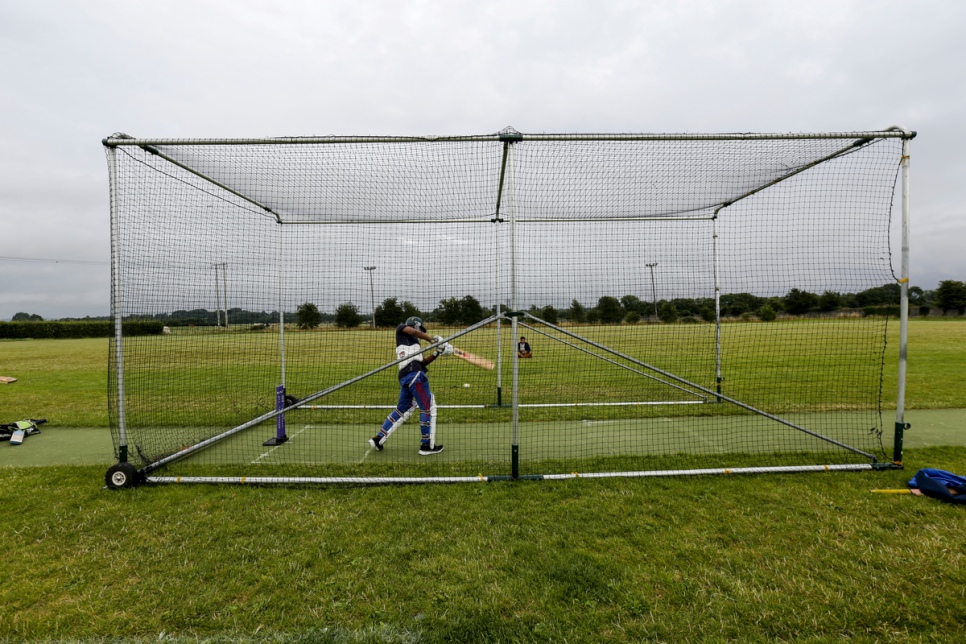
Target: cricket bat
<point>473,359</point>
<point>7,379</point>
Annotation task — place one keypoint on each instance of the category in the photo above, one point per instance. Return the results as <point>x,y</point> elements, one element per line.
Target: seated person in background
<point>523,348</point>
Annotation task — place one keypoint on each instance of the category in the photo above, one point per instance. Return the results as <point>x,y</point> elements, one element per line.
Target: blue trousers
<point>413,387</point>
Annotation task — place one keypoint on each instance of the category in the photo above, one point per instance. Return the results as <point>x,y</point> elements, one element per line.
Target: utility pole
<point>372,293</point>
<point>221,293</point>
<point>653,288</point>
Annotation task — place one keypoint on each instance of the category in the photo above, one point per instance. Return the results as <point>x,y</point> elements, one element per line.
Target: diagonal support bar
<point>614,362</point>
<point>150,149</point>
<point>811,164</point>
<point>717,395</point>
<point>319,394</point>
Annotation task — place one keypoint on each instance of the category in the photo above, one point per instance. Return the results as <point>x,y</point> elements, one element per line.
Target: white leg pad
<point>432,422</point>
<point>396,425</point>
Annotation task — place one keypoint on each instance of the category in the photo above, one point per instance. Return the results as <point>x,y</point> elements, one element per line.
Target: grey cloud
<point>76,72</point>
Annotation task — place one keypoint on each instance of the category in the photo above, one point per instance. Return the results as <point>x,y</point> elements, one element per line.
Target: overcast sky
<point>75,72</point>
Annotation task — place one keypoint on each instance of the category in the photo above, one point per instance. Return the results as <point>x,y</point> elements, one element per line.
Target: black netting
<point>648,276</point>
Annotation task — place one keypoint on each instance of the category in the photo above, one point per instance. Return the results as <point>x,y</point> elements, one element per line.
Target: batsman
<point>414,386</point>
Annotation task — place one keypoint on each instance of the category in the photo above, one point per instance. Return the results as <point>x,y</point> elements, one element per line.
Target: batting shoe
<point>426,450</point>
<point>376,442</point>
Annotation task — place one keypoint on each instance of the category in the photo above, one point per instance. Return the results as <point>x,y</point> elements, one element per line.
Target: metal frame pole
<point>515,396</point>
<point>117,308</point>
<point>507,140</point>
<point>901,425</point>
<point>123,139</point>
<point>499,313</point>
<point>717,307</point>
<point>281,433</point>
<point>281,307</point>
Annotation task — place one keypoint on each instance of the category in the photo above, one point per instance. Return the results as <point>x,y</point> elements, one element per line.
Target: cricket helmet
<point>415,322</point>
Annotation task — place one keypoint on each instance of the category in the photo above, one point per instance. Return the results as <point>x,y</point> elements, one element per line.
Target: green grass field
<point>202,379</point>
<point>66,380</point>
<point>809,557</point>
<point>771,558</point>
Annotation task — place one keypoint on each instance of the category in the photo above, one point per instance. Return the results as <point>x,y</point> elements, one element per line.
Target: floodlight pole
<point>653,288</point>
<point>372,293</point>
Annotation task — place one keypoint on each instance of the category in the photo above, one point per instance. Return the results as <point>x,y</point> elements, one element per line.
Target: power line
<point>51,261</point>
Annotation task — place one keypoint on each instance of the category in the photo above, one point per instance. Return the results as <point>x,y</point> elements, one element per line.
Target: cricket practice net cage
<point>658,279</point>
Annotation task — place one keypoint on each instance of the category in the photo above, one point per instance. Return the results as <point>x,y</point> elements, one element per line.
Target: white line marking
<point>290,438</point>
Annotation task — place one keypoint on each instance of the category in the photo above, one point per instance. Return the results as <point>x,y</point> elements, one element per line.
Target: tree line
<point>453,311</point>
<point>950,295</point>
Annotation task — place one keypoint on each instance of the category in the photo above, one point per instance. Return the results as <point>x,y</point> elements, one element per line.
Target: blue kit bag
<point>940,484</point>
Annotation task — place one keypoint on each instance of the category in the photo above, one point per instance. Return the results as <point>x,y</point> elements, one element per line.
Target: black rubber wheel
<point>122,475</point>
<point>290,400</point>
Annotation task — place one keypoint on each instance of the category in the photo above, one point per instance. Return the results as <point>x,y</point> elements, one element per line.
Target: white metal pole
<point>117,306</point>
<point>281,308</point>
<point>514,305</point>
<point>903,308</point>
<point>499,307</point>
<point>717,306</point>
<point>315,140</point>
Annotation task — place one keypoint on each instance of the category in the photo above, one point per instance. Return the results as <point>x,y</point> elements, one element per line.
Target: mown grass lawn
<point>789,557</point>
<point>814,557</point>
<point>66,380</point>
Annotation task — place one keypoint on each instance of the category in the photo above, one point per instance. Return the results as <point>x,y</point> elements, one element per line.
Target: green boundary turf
<point>812,558</point>
<point>91,446</point>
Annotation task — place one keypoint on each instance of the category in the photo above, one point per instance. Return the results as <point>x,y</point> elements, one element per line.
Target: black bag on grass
<point>28,426</point>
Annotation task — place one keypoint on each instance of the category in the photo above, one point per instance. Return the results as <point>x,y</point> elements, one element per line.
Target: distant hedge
<point>888,311</point>
<point>66,330</point>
